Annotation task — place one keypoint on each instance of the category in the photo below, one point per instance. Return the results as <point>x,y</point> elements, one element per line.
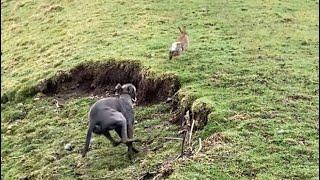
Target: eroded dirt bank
<point>99,79</point>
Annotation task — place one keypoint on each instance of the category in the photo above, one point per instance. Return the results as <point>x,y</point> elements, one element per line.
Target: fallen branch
<point>172,138</point>
<point>157,176</point>
<point>200,146</point>
<point>182,144</point>
<point>58,105</point>
<point>190,135</point>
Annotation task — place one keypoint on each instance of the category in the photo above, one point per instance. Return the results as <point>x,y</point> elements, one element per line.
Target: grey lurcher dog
<point>114,113</point>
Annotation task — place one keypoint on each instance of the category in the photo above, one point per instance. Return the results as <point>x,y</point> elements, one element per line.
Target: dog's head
<point>129,89</point>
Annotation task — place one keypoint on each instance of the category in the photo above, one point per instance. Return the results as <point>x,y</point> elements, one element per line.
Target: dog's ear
<point>118,89</point>
<point>131,90</point>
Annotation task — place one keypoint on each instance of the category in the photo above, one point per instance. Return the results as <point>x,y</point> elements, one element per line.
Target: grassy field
<point>255,63</point>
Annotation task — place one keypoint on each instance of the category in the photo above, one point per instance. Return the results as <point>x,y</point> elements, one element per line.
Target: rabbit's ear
<point>184,29</point>
<point>180,30</point>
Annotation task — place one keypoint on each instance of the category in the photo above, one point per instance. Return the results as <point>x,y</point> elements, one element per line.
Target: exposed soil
<point>200,116</point>
<point>163,171</point>
<point>99,79</point>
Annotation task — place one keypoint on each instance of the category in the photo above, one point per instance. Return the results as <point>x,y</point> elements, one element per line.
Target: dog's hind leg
<point>130,136</point>
<point>108,136</point>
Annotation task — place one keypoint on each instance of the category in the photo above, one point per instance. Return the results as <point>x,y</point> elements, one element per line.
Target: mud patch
<point>100,78</point>
<point>163,171</point>
<point>215,140</point>
<point>239,117</point>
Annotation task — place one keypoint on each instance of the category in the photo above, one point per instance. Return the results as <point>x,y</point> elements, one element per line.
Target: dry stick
<point>172,138</point>
<point>182,145</point>
<point>57,103</point>
<point>200,146</point>
<point>190,135</point>
<point>158,175</point>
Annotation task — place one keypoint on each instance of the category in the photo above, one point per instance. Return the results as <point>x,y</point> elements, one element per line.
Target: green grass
<point>255,63</point>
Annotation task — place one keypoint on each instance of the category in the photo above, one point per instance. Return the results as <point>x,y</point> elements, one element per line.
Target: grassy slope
<point>255,62</point>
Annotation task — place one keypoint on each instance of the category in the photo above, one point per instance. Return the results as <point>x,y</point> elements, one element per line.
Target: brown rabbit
<point>184,38</point>
<point>181,45</point>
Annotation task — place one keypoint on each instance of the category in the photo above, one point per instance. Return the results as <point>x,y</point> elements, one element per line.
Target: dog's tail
<point>87,143</point>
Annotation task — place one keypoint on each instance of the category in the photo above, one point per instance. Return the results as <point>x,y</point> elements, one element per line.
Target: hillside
<point>253,65</point>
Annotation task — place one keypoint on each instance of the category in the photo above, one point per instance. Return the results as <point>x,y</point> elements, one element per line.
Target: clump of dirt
<point>100,78</point>
<point>197,112</point>
<point>200,117</point>
<point>178,116</point>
